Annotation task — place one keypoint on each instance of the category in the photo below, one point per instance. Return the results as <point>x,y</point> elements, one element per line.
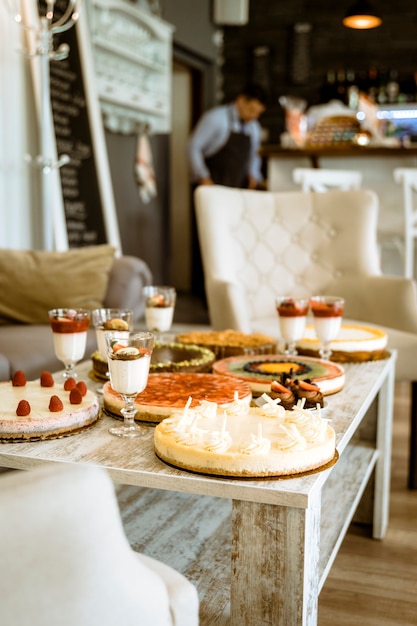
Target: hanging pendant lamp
<point>361,15</point>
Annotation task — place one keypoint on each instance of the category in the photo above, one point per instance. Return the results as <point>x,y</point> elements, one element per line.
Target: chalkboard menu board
<point>85,181</point>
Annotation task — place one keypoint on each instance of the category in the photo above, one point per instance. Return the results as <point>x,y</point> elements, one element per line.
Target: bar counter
<point>376,165</point>
<point>315,155</point>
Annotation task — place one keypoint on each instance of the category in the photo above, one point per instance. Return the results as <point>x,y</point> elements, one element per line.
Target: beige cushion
<point>34,281</point>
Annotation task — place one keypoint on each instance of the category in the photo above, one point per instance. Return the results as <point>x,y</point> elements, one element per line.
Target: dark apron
<point>229,166</point>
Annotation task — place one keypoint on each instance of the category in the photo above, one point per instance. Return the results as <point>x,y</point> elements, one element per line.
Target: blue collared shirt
<point>211,134</point>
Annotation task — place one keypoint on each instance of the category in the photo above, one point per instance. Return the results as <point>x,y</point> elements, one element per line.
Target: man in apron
<point>223,150</point>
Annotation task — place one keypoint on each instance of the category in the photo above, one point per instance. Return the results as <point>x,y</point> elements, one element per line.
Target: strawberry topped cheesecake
<point>44,409</point>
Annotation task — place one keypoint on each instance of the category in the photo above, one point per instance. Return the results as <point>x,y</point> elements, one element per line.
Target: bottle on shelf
<point>382,95</point>
<point>372,83</point>
<point>341,92</point>
<point>393,87</point>
<point>352,90</point>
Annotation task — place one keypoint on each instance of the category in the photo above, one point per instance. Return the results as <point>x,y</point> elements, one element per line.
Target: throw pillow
<point>34,281</point>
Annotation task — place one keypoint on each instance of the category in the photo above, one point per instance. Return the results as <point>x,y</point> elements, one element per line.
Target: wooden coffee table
<point>285,533</point>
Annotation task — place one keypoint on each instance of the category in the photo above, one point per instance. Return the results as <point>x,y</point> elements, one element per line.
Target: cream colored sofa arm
<point>389,301</point>
<point>227,306</point>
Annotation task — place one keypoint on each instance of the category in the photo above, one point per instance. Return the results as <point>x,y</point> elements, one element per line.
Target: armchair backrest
<point>256,245</point>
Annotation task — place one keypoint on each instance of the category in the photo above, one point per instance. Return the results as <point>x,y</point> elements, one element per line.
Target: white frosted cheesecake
<point>245,442</point>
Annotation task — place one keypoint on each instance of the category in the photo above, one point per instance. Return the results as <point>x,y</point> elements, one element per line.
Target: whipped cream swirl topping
<point>219,440</point>
<point>312,427</point>
<point>258,444</point>
<point>179,422</point>
<point>287,436</point>
<point>238,407</point>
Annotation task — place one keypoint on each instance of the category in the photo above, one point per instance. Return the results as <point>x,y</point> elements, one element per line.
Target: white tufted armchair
<point>66,561</point>
<point>256,245</point>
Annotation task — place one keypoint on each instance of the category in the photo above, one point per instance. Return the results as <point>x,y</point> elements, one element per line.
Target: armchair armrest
<point>389,301</point>
<point>124,290</point>
<point>227,306</point>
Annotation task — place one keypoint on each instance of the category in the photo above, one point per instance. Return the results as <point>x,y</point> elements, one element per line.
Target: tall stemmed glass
<point>129,357</point>
<point>327,318</point>
<point>159,308</point>
<point>69,330</point>
<point>292,313</point>
<point>105,320</point>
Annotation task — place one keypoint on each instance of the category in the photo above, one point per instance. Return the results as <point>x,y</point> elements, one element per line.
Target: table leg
<point>383,465</point>
<point>412,467</point>
<point>275,553</point>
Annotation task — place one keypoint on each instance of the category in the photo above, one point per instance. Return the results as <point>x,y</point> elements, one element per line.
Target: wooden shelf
<point>341,495</point>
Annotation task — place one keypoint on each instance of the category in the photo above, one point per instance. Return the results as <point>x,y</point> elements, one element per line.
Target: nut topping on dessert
<point>116,324</point>
<point>158,300</point>
<point>125,354</point>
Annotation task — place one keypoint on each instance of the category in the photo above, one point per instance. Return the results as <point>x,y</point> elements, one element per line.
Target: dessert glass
<point>129,357</point>
<point>327,318</point>
<point>69,330</point>
<point>159,308</point>
<point>105,320</point>
<point>292,313</point>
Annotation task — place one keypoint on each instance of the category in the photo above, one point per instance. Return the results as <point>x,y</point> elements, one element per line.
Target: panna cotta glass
<point>159,307</point>
<point>292,313</point>
<point>69,331</point>
<point>327,318</point>
<point>129,358</point>
<point>110,319</point>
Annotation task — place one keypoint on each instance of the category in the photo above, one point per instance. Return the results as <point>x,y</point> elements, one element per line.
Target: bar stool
<point>321,180</point>
<point>407,176</point>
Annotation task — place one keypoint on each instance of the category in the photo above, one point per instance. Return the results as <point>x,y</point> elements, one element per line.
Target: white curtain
<point>19,203</point>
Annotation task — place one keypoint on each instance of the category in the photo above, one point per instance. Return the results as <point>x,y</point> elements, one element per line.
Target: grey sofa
<point>29,347</point>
